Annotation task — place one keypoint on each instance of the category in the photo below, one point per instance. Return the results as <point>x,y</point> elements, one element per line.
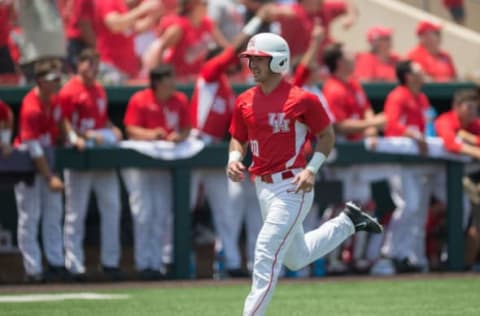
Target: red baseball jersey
<point>213,98</point>
<point>85,106</point>
<point>39,120</point>
<point>438,67</point>
<point>188,55</point>
<point>297,30</point>
<point>370,67</point>
<point>74,11</point>
<point>144,110</point>
<point>276,126</point>
<point>4,112</point>
<point>405,110</point>
<point>346,100</point>
<point>116,49</point>
<point>447,126</point>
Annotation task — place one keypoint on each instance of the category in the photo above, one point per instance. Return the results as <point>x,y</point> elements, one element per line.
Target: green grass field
<point>392,297</point>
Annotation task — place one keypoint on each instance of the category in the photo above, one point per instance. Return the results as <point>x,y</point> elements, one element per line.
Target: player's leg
<point>285,212</point>
<point>28,207</point>
<point>161,191</point>
<point>107,191</point>
<point>253,217</point>
<point>77,192</point>
<point>224,219</point>
<point>137,182</point>
<point>52,227</point>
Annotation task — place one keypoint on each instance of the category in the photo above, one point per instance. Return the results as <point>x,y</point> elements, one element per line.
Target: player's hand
<point>118,133</point>
<point>175,137</point>
<point>422,146</point>
<point>318,32</point>
<point>80,144</point>
<point>349,21</point>
<point>236,171</point>
<point>55,184</point>
<point>304,181</point>
<point>265,12</point>
<point>159,133</point>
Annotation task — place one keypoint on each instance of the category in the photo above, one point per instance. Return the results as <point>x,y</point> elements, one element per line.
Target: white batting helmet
<point>270,45</point>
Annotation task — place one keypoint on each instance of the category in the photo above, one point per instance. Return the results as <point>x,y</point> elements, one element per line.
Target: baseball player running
<point>84,102</point>
<point>274,117</point>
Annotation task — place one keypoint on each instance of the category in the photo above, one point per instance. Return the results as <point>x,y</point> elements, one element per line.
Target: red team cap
<point>377,32</point>
<point>427,26</point>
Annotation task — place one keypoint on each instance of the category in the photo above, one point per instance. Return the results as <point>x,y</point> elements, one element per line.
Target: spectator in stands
<point>84,103</point>
<point>405,109</point>
<point>39,127</point>
<point>379,63</point>
<point>460,130</point>
<point>77,16</point>
<point>184,40</point>
<point>116,22</point>
<point>6,126</point>
<point>436,63</point>
<point>155,113</point>
<point>42,36</point>
<point>456,8</point>
<point>228,17</point>
<point>296,22</point>
<point>354,119</point>
<point>7,66</point>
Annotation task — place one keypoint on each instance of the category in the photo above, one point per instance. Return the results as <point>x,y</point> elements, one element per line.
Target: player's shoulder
<point>247,95</point>
<point>140,94</point>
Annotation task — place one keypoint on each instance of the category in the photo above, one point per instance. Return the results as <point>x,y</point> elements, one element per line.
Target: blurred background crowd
<point>68,50</point>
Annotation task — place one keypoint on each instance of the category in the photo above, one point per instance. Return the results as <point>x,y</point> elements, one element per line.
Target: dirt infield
<point>63,287</point>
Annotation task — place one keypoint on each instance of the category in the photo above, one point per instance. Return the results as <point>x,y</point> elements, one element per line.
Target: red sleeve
<point>215,67</point>
<point>336,101</point>
<point>447,133</point>
<point>133,115</point>
<point>238,128</point>
<point>29,125</point>
<point>333,9</point>
<point>302,73</point>
<point>86,8</point>
<point>185,121</point>
<point>314,115</point>
<point>393,112</point>
<point>104,7</point>
<point>363,67</point>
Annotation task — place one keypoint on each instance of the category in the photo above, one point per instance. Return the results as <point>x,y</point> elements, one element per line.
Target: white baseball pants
<point>215,185</point>
<point>246,209</point>
<point>150,197</point>
<point>282,239</point>
<point>35,202</point>
<point>78,185</point>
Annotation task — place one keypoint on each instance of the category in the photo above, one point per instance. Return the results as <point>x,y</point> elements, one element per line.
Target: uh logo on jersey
<point>278,122</point>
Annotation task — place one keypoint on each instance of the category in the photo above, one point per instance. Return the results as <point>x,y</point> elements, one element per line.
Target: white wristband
<point>234,155</point>
<point>316,162</point>
<point>5,136</point>
<point>72,137</point>
<point>252,26</point>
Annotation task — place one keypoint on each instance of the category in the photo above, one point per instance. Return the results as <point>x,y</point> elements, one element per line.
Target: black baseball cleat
<point>361,220</point>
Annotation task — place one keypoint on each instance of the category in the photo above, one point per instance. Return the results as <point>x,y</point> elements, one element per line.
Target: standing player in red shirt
<point>84,103</point>
<point>436,63</point>
<point>211,112</point>
<point>274,117</point>
<point>156,113</point>
<point>379,63</point>
<point>116,25</point>
<point>6,126</point>
<point>405,109</point>
<point>39,126</point>
<point>460,130</point>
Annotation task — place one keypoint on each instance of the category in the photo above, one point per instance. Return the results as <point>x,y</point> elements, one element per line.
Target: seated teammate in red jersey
<point>379,63</point>
<point>115,24</point>
<point>437,64</point>
<point>297,21</point>
<point>6,126</point>
<point>460,130</point>
<point>184,40</point>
